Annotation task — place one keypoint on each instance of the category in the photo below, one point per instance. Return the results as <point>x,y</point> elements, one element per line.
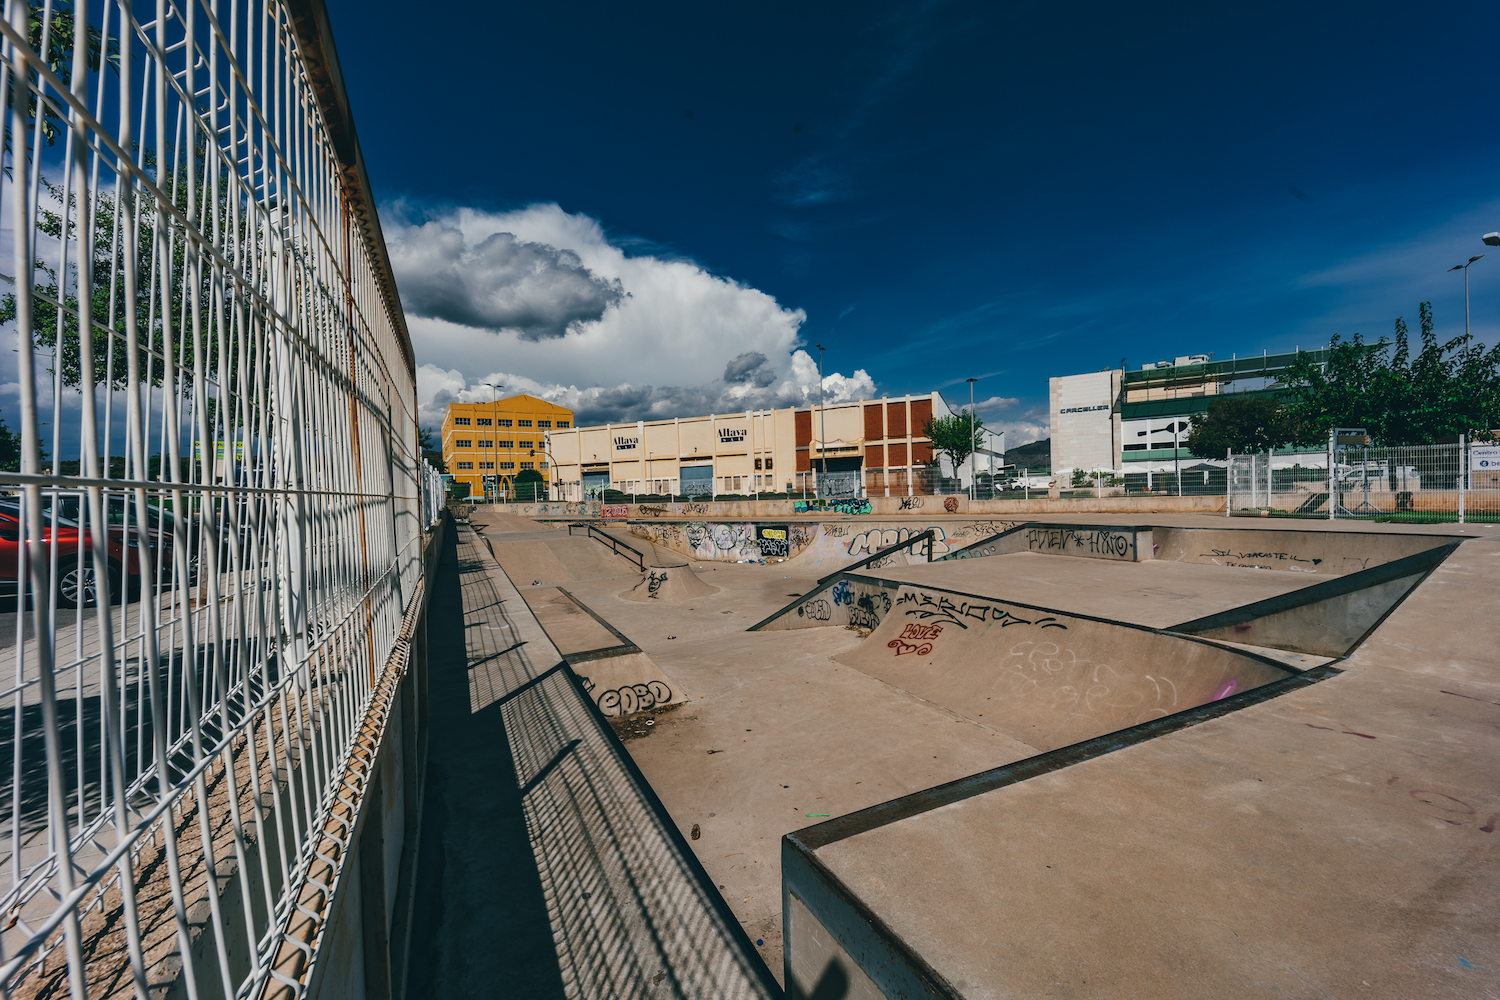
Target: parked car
<point>77,580</point>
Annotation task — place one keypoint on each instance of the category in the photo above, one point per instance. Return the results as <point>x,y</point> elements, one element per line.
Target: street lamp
<point>494,428</point>
<point>973,482</point>
<point>1465,269</point>
<point>822,423</point>
<point>1491,239</point>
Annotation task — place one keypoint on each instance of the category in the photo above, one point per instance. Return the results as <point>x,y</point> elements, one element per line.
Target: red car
<point>77,586</point>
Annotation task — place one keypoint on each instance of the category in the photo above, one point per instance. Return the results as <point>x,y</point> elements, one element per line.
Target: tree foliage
<point>427,440</point>
<point>957,435</point>
<point>1243,423</point>
<point>1448,388</point>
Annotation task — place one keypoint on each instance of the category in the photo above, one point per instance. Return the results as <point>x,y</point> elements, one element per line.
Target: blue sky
<point>631,204</point>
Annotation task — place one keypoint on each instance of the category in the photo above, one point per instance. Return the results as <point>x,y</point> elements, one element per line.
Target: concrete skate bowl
<point>1046,678</point>
<point>842,598</point>
<point>1297,550</point>
<point>669,583</point>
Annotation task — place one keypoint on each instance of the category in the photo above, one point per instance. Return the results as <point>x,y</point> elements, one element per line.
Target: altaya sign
<point>627,443</point>
<point>732,435</point>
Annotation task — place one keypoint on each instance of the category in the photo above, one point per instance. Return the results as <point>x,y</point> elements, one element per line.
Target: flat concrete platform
<point>1153,593</point>
<point>1337,840</point>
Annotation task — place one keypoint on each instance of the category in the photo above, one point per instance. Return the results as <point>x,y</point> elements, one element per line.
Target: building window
<point>524,423</point>
<point>544,465</point>
<point>466,465</point>
<point>544,423</point>
<point>483,421</point>
<point>565,423</point>
<point>486,465</point>
<point>1137,447</point>
<point>507,465</point>
<point>528,465</point>
<point>460,421</point>
<point>463,443</point>
<point>486,443</point>
<point>503,422</point>
<point>528,444</point>
<point>506,444</point>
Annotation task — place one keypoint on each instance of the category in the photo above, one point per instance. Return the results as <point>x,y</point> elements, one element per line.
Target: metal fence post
<point>1463,476</point>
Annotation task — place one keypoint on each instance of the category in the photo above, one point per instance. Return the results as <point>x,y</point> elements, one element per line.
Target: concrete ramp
<point>495,520</point>
<point>1086,541</point>
<point>669,583</point>
<point>1044,677</point>
<point>1298,550</point>
<point>1326,619</point>
<point>558,557</point>
<point>530,562</point>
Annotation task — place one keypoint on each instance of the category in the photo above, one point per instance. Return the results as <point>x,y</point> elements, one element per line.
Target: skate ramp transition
<point>1043,677</point>
<point>1325,619</point>
<point>669,583</point>
<point>616,674</point>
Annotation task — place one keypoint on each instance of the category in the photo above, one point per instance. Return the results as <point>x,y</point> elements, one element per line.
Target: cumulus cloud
<point>437,387</point>
<point>499,283</point>
<point>545,302</point>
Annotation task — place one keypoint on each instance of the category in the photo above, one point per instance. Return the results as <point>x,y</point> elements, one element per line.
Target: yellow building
<point>499,439</point>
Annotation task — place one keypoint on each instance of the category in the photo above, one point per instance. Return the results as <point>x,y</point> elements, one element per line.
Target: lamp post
<point>494,427</point>
<point>1465,269</point>
<point>822,423</point>
<point>973,481</point>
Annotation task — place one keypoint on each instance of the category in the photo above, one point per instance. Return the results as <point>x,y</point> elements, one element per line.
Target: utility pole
<point>973,481</point>
<point>822,422</point>
<point>494,427</point>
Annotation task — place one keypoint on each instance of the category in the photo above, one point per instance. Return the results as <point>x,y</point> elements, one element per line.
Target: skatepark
<point>1102,755</point>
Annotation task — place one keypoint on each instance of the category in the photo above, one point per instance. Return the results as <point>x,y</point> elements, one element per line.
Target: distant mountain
<point>1037,455</point>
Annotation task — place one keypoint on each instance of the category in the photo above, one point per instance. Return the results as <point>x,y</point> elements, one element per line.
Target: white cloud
<point>542,302</point>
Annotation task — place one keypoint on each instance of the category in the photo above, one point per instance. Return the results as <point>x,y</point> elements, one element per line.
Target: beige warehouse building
<point>872,447</point>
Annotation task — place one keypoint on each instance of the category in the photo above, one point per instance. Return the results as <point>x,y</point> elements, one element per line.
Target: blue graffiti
<point>842,593</point>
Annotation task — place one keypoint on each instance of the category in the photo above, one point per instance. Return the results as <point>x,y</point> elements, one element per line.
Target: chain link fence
<point>1421,483</point>
<point>211,539</point>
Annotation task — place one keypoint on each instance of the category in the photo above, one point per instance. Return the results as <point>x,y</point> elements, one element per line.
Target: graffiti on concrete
<point>816,609</point>
<point>616,510</point>
<point>1095,541</point>
<point>1069,684</point>
<point>951,505</point>
<point>1262,560</point>
<point>912,503</point>
<point>867,543</point>
<point>842,593</point>
<point>651,510</point>
<point>773,541</point>
<point>851,505</point>
<point>869,608</point>
<point>653,584</point>
<point>915,639</point>
<point>634,698</point>
<point>925,607</point>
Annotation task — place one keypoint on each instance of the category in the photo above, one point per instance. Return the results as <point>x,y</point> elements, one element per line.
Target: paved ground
<point>547,868</point>
<point>1336,841</point>
<point>777,732</point>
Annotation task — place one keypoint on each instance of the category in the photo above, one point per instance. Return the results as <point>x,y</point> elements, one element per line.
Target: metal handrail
<point>614,543</point>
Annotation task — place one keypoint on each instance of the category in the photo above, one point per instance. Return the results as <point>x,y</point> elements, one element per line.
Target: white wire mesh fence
<point>212,533</point>
<point>1442,482</point>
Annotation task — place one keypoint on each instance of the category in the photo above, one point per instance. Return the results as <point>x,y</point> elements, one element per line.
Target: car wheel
<point>78,586</point>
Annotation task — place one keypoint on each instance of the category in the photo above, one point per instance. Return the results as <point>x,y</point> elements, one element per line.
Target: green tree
<point>10,448</point>
<point>957,435</point>
<point>529,485</point>
<point>428,442</point>
<point>1242,423</point>
<point>1449,388</point>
